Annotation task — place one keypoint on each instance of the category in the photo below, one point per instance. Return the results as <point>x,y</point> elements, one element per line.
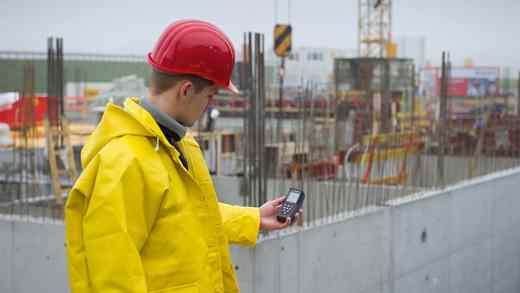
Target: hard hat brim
<point>232,88</point>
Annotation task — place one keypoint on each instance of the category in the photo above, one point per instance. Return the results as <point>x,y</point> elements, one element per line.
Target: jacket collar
<point>164,119</point>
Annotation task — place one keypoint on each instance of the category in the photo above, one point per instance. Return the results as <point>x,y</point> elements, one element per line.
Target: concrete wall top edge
<point>29,219</point>
<point>322,222</point>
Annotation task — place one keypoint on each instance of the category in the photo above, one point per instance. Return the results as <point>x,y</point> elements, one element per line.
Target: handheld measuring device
<point>291,205</point>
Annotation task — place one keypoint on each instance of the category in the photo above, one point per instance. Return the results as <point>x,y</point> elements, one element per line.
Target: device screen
<point>293,196</point>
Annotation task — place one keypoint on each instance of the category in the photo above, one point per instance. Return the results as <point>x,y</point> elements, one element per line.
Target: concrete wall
<point>32,256</point>
<point>347,256</point>
<point>462,239</point>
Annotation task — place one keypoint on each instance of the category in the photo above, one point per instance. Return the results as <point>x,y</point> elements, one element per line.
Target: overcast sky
<point>488,31</point>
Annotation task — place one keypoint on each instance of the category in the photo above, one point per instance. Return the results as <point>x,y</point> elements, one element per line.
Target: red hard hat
<point>198,48</point>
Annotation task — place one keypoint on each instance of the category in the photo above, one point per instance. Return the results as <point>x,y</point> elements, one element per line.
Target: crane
<point>375,29</point>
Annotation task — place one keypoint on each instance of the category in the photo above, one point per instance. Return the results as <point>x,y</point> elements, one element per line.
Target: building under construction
<point>409,179</point>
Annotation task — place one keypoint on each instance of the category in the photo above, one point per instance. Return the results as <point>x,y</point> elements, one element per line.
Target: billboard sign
<point>482,87</point>
<point>456,87</point>
<point>464,82</point>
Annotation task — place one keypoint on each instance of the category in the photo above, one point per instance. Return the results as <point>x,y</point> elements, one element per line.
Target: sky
<point>487,31</point>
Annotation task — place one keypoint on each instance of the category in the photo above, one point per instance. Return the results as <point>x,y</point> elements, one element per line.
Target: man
<point>143,216</point>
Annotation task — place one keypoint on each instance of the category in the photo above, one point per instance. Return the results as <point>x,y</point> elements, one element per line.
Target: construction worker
<point>143,216</point>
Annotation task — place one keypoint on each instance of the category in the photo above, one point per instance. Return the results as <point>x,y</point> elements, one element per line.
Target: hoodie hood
<point>117,122</point>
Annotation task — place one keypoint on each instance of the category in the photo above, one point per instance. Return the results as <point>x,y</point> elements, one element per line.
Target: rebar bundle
<point>253,86</point>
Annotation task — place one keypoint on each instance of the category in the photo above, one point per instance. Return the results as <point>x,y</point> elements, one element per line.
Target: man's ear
<point>187,88</point>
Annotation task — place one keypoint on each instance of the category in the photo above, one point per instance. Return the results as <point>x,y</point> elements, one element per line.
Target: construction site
<point>409,170</point>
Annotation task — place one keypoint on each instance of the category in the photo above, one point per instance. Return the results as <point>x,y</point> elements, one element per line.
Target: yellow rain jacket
<point>138,221</point>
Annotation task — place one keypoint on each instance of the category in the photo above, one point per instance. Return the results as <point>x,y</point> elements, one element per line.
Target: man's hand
<point>268,212</point>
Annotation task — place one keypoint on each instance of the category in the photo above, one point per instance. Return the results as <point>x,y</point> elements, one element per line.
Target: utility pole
<point>443,109</point>
<point>280,100</point>
<point>282,48</point>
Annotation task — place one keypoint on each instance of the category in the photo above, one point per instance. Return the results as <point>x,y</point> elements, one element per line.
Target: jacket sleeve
<point>115,224</point>
<point>241,224</point>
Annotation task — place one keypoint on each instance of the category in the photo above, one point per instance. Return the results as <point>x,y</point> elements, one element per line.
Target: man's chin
<point>185,123</point>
